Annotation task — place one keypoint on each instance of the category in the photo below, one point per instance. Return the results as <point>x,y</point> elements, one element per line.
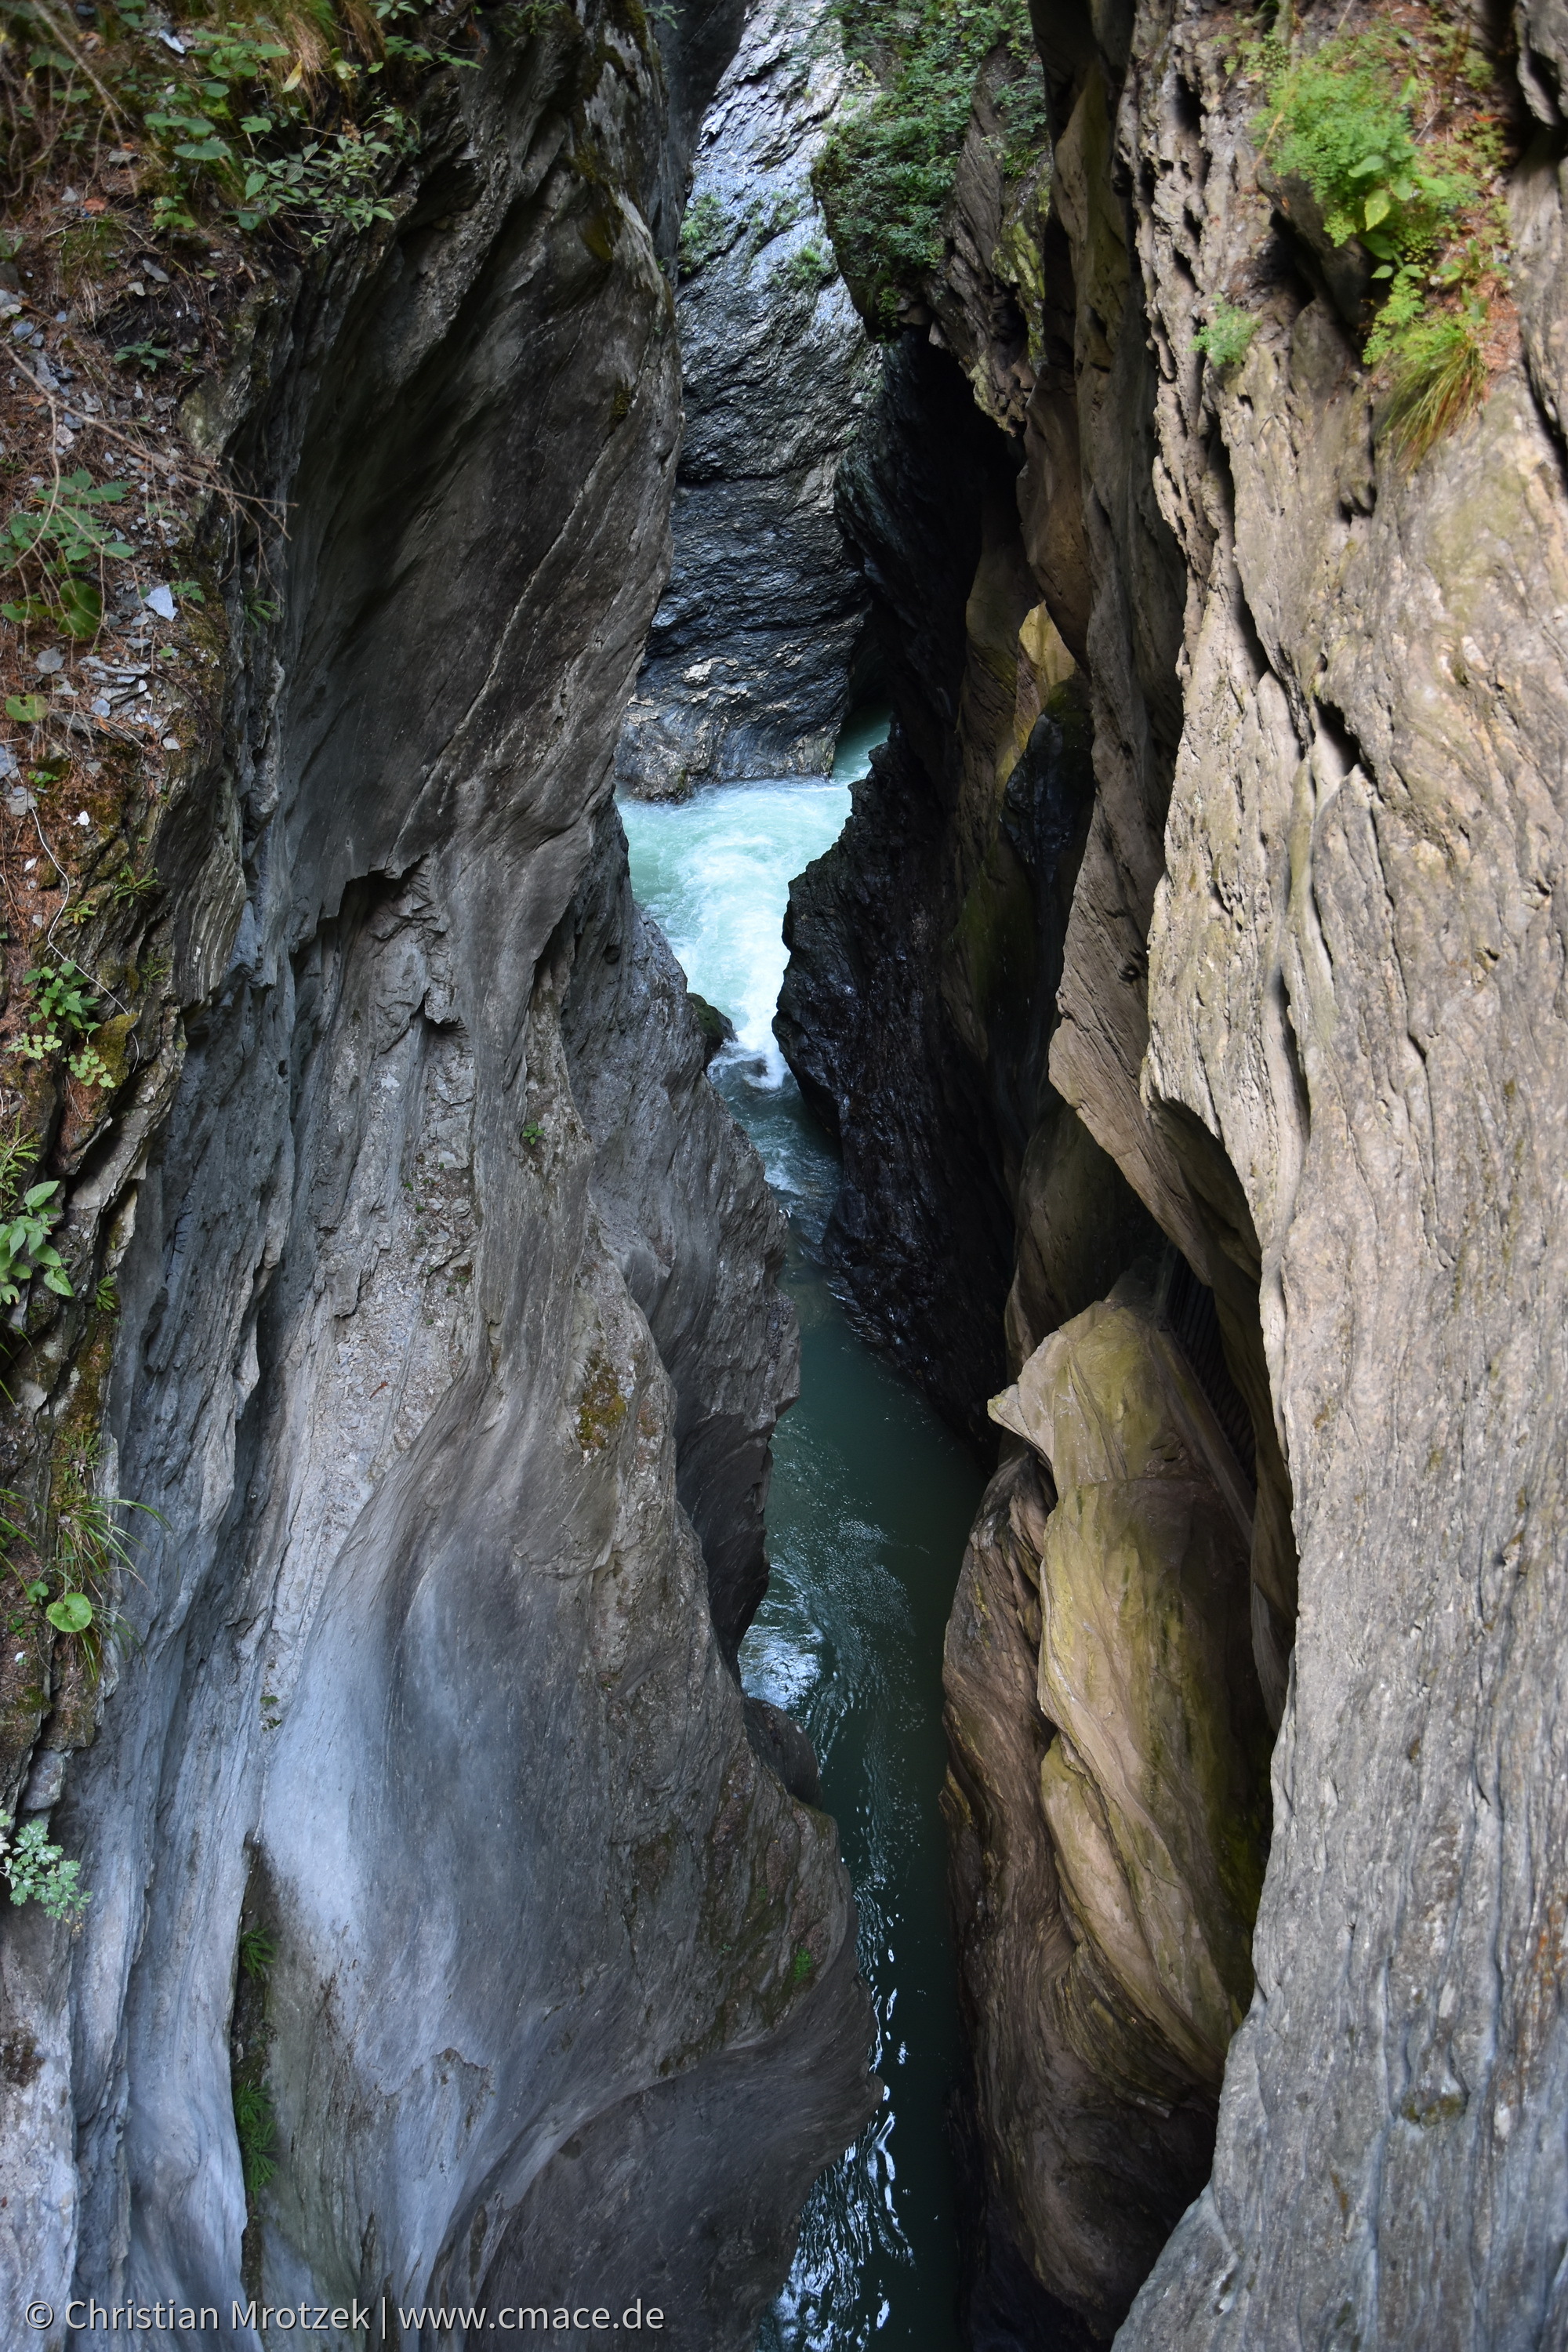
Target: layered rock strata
<point>751,651</point>
<point>1309,1007</point>
<point>1108,1800</point>
<point>449,1350</point>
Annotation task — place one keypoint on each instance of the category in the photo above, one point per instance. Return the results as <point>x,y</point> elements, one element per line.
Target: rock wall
<point>448,1352</point>
<point>751,652</point>
<point>1373,674</point>
<point>926,944</point>
<point>1308,1004</point>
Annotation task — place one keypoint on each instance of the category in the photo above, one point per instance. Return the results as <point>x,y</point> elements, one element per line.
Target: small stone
<point>100,708</point>
<point>49,661</point>
<point>171,742</point>
<point>159,276</point>
<point>82,817</point>
<point>44,1781</point>
<point>160,600</point>
<point>19,800</point>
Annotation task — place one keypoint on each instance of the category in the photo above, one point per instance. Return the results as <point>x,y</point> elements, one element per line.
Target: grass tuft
<point>1440,379</point>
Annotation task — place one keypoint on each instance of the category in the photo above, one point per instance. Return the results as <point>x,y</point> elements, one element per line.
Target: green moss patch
<point>885,176</point>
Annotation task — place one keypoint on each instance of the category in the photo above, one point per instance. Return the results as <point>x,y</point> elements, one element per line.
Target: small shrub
<point>271,114</point>
<point>1227,338</point>
<point>704,233</point>
<point>1390,134</point>
<point>56,548</point>
<point>808,269</point>
<point>147,355</point>
<point>38,1871</point>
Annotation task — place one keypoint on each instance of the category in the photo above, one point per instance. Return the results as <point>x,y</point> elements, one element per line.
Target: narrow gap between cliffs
<point>870,1507</point>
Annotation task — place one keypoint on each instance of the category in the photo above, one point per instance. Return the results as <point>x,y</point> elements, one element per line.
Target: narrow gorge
<point>783,1018</point>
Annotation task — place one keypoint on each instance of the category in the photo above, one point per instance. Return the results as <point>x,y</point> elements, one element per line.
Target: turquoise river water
<point>870,1505</point>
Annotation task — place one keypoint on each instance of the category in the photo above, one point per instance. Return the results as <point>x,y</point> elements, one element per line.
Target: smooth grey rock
<point>45,1782</point>
<point>430,1692</point>
<point>748,667</point>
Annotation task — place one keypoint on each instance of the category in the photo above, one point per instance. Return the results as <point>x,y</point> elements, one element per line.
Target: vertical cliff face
<point>450,1351</point>
<point>749,661</point>
<point>926,945</point>
<point>1372,674</point>
<point>1306,1002</point>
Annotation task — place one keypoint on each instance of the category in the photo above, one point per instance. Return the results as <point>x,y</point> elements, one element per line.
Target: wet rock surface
<point>749,661</point>
<point>450,1350</point>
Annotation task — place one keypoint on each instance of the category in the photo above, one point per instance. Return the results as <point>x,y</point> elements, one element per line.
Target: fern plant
<point>1397,137</point>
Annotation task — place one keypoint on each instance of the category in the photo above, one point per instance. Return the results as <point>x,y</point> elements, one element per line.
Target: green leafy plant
<point>28,1214</point>
<point>256,2127</point>
<point>809,268</point>
<point>57,547</point>
<point>704,232</point>
<point>1227,338</point>
<point>147,355</point>
<point>291,128</point>
<point>88,1066</point>
<point>64,1010</point>
<point>26,710</point>
<point>1402,157</point>
<point>124,890</point>
<point>64,995</point>
<point>257,1953</point>
<point>75,1555</point>
<point>26,1249</point>
<point>337,178</point>
<point>38,1871</point>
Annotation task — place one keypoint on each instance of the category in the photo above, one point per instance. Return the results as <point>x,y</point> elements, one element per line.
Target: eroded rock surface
<point>749,656</point>
<point>450,1351</point>
<point>1308,1002</point>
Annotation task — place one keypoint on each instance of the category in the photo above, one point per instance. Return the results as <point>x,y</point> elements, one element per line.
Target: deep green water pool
<point>870,1505</point>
